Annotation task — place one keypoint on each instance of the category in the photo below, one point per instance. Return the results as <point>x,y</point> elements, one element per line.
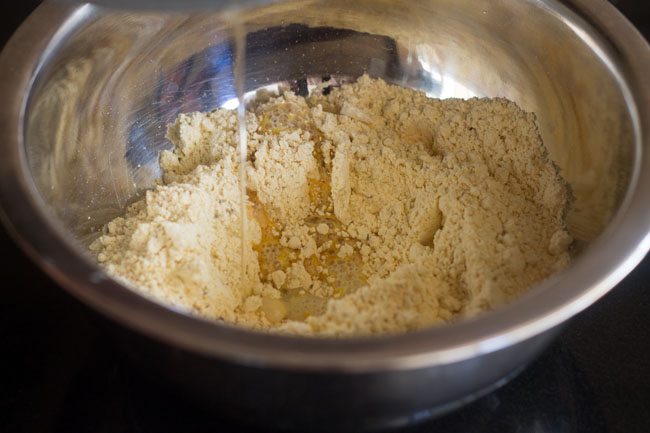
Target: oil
<point>342,274</point>
<point>239,36</point>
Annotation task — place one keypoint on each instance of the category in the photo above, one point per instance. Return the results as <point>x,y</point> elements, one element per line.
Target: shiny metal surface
<point>178,5</point>
<point>88,92</point>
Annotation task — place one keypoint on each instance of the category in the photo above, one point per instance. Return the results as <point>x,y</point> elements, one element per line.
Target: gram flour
<point>372,209</point>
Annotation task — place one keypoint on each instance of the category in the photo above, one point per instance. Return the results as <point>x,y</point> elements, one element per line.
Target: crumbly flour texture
<point>372,209</point>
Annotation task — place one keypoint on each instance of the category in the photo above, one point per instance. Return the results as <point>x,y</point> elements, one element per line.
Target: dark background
<point>59,371</point>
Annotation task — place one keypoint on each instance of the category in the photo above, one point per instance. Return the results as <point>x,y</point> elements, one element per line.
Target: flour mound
<point>372,209</point>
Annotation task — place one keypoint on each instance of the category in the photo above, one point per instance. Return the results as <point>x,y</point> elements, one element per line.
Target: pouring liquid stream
<point>294,304</point>
<point>239,73</point>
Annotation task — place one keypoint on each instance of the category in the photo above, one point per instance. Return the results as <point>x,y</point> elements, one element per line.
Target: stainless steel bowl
<point>88,92</point>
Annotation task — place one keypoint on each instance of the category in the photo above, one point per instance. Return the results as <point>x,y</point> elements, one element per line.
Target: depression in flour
<point>372,209</point>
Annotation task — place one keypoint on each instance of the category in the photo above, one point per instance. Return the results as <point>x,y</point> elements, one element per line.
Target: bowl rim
<point>611,257</point>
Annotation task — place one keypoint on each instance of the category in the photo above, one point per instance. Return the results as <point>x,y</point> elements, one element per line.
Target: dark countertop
<point>59,372</point>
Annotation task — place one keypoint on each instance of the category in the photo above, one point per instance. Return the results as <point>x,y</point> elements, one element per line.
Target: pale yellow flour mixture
<point>372,209</point>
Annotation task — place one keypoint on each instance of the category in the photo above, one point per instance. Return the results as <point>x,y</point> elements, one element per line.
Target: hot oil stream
<point>240,88</point>
<point>344,275</point>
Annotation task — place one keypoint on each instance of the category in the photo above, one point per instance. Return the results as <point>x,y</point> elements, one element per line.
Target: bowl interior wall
<point>97,115</point>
